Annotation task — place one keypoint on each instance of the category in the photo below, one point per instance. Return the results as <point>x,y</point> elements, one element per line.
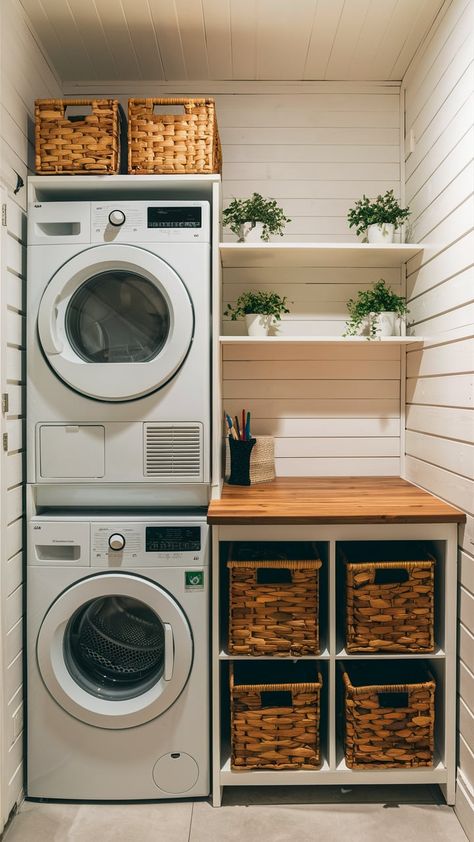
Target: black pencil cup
<point>240,461</point>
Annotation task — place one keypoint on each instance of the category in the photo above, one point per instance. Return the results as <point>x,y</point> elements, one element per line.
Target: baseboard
<point>464,806</point>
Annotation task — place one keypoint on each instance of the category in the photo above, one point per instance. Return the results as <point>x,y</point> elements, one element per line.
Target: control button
<point>116,217</point>
<point>116,541</point>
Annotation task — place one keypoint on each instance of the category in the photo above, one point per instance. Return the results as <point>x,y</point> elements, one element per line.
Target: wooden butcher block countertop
<point>293,500</point>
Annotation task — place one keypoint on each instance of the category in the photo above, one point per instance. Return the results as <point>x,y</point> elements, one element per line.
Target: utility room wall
<point>440,387</point>
<point>24,75</point>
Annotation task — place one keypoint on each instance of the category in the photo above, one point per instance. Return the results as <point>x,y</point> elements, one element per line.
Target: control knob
<point>116,541</point>
<point>116,217</point>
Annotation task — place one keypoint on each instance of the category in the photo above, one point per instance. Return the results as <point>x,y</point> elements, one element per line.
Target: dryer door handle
<point>49,339</point>
<point>169,652</point>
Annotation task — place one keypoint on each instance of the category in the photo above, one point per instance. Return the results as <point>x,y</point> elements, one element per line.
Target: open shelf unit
<point>303,340</point>
<point>441,538</point>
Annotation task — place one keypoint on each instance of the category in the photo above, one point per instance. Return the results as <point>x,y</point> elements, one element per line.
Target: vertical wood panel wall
<point>440,391</point>
<point>25,74</point>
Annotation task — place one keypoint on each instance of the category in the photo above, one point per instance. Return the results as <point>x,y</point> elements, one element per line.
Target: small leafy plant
<point>382,209</point>
<point>379,299</point>
<point>258,302</point>
<point>255,209</point>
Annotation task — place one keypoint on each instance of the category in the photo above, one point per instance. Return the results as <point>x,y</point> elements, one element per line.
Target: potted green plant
<point>376,312</point>
<point>377,218</point>
<point>260,310</point>
<point>255,218</point>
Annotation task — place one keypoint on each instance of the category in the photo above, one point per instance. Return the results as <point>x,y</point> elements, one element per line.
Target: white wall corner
<point>464,806</point>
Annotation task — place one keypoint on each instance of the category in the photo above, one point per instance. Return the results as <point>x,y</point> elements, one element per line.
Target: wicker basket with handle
<point>275,721</point>
<point>274,602</point>
<point>173,143</point>
<point>390,605</point>
<point>389,714</point>
<point>83,145</point>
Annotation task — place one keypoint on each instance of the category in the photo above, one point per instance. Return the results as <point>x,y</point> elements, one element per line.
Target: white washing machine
<point>118,675</point>
<point>118,366</point>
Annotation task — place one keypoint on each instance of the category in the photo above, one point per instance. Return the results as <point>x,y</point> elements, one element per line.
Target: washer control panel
<point>118,544</point>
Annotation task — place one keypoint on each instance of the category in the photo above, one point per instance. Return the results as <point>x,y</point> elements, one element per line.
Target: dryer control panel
<point>150,222</point>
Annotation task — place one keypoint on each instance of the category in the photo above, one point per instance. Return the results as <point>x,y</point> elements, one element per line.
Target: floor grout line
<point>191,821</point>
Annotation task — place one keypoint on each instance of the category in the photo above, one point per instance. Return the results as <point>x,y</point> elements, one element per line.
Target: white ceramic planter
<point>258,324</point>
<point>250,232</point>
<point>382,233</point>
<point>386,323</point>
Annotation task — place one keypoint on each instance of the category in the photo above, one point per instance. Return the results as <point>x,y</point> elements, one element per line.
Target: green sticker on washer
<point>194,580</point>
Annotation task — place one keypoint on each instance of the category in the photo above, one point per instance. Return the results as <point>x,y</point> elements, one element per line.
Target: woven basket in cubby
<point>273,599</point>
<point>389,713</point>
<point>390,605</point>
<point>275,722</point>
<point>79,145</point>
<point>185,143</point>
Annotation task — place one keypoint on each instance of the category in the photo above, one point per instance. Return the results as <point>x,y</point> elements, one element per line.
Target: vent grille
<point>173,451</point>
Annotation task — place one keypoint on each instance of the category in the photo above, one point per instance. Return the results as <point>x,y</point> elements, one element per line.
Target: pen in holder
<point>240,461</point>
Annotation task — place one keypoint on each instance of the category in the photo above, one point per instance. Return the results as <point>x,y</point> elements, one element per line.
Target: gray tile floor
<point>269,814</point>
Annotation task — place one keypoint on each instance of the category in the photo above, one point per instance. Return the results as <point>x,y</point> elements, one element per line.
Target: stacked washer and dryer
<point>118,419</point>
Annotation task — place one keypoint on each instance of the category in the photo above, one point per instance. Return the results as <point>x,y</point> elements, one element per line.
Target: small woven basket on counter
<point>275,721</point>
<point>273,599</point>
<point>185,143</point>
<point>262,460</point>
<point>390,605</point>
<point>389,714</point>
<point>79,145</point>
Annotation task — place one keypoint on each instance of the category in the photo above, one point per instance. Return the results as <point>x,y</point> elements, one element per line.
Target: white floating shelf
<point>348,255</point>
<point>99,187</point>
<point>341,340</point>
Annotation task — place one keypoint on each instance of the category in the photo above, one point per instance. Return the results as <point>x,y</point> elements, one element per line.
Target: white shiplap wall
<point>25,74</point>
<point>440,390</point>
<point>333,410</point>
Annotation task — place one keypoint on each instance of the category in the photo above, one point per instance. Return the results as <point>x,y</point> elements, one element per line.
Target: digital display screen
<point>182,217</point>
<point>165,539</point>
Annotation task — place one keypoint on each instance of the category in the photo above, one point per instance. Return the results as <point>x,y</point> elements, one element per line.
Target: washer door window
<point>115,650</point>
<point>115,322</point>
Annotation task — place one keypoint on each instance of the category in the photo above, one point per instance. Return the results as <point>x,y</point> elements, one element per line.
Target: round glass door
<point>114,647</point>
<point>115,650</point>
<point>117,317</point>
<point>116,322</point>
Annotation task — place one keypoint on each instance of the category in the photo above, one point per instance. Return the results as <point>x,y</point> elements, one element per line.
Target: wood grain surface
<point>331,500</point>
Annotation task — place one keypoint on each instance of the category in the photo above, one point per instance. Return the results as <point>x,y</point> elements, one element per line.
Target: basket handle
<point>391,575</point>
<point>276,698</point>
<point>394,699</point>
<point>189,104</point>
<point>274,576</point>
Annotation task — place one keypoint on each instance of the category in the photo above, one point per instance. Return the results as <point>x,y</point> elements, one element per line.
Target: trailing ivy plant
<point>382,209</point>
<point>258,302</point>
<point>255,209</point>
<point>379,299</point>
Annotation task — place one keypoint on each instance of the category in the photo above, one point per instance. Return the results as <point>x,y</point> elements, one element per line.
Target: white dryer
<point>118,657</point>
<point>118,366</point>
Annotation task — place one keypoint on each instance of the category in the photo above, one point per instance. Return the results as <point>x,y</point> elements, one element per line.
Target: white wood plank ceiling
<point>170,40</point>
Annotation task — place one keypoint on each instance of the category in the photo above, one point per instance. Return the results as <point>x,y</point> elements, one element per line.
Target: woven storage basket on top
<point>77,145</point>
<point>275,725</point>
<point>390,606</point>
<point>389,714</point>
<point>273,599</point>
<point>170,143</point>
